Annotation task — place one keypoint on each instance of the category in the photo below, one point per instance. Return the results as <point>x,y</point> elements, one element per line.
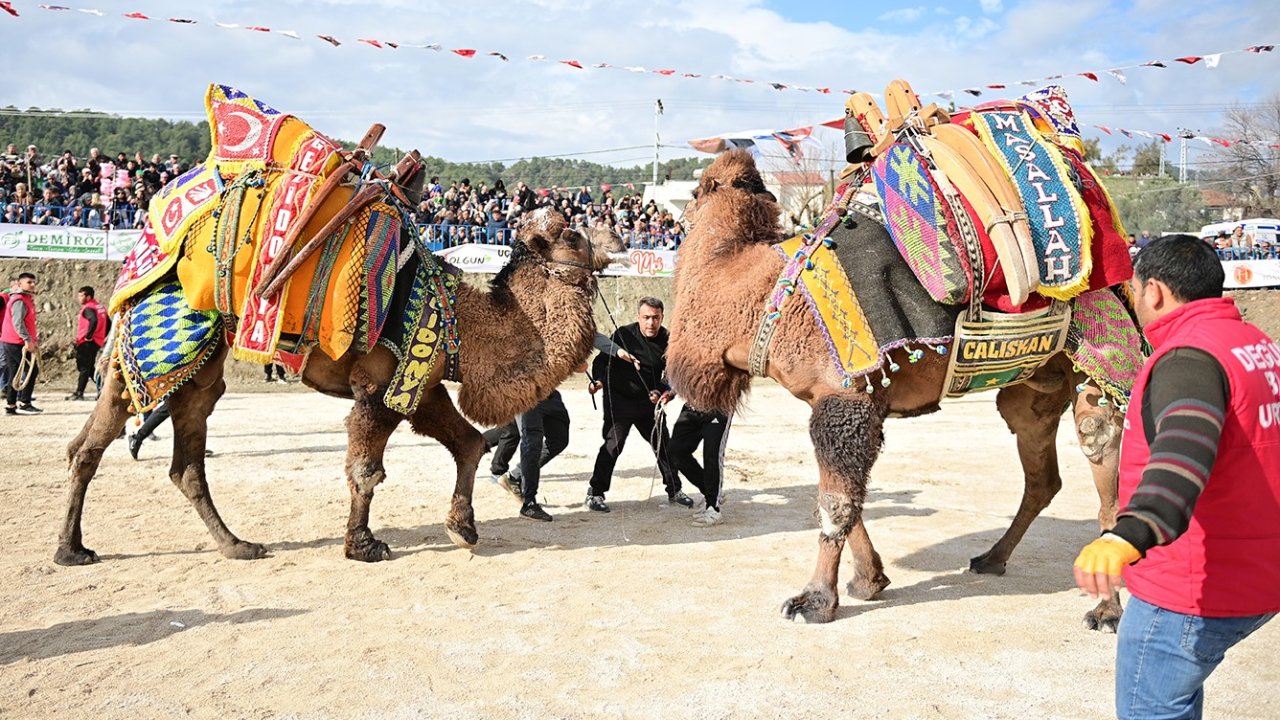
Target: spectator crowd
<point>463,213</point>
<point>97,191</point>
<point>103,192</point>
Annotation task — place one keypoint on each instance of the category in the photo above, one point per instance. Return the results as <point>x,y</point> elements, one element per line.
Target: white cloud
<point>991,7</point>
<point>903,15</point>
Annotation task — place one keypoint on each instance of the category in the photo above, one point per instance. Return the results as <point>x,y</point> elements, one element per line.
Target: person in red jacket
<point>91,334</point>
<point>18,335</point>
<point>1197,540</point>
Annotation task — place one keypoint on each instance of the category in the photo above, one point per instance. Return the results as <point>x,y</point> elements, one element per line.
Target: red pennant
<point>1104,129</point>
<point>8,7</point>
<point>572,63</point>
<point>665,72</point>
<point>838,123</point>
<point>367,41</point>
<point>1166,138</point>
<point>134,15</point>
<point>1220,141</point>
<point>330,39</point>
<point>257,28</point>
<point>997,87</point>
<point>1091,76</point>
<point>1190,59</point>
<point>465,52</point>
<point>824,91</point>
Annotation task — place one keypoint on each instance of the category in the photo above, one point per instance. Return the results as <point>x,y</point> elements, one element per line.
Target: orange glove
<point>1097,568</point>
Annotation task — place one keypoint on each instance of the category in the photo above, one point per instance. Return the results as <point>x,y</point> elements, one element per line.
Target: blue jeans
<point>1163,658</point>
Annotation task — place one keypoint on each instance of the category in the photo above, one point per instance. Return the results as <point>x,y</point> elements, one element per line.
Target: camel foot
<point>861,588</point>
<point>984,565</point>
<point>462,532</point>
<point>71,557</point>
<point>813,605</point>
<point>363,546</point>
<point>241,550</point>
<point>1105,617</point>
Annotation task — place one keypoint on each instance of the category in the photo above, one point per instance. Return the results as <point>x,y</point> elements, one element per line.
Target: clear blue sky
<point>484,109</point>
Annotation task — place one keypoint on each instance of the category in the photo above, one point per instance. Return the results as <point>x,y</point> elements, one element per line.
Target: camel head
<point>604,244</point>
<point>545,237</point>
<point>731,204</point>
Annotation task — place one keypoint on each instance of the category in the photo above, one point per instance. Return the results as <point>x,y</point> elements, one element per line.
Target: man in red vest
<point>18,334</point>
<point>91,334</point>
<point>1197,541</point>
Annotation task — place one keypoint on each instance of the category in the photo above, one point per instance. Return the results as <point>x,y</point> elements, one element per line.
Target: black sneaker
<point>135,444</point>
<point>680,499</point>
<point>596,503</point>
<point>74,396</point>
<point>534,511</point>
<point>29,409</point>
<point>10,410</point>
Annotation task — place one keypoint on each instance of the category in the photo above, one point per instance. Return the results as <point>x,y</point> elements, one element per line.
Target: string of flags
<point>1208,60</point>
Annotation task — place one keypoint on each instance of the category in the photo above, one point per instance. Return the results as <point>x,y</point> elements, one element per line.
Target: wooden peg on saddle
<point>362,199</point>
<point>902,103</point>
<point>352,162</point>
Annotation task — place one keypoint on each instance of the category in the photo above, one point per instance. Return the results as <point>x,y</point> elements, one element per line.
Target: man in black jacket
<point>630,397</point>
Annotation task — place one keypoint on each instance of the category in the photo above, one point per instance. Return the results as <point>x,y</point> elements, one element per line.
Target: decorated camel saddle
<point>280,242</point>
<point>1013,250</point>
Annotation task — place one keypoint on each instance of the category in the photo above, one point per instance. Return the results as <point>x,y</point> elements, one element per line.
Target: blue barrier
<point>443,236</point>
<point>31,214</point>
<point>1261,252</point>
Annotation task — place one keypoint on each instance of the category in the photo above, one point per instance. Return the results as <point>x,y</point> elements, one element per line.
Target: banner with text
<point>68,243</point>
<point>1245,274</point>
<point>474,257</point>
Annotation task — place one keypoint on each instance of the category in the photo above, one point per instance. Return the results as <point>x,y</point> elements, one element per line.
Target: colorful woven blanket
<point>1104,341</point>
<point>161,343</point>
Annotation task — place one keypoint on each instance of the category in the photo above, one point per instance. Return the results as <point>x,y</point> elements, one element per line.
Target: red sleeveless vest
<point>99,331</point>
<point>1227,564</point>
<point>8,333</point>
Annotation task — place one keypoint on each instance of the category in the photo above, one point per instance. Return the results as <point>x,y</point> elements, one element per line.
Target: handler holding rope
<point>19,339</point>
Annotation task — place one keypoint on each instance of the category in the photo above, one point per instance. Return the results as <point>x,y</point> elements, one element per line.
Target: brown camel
<point>724,276</point>
<point>519,340</point>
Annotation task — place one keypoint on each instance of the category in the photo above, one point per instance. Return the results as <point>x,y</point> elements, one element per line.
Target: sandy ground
<point>631,614</point>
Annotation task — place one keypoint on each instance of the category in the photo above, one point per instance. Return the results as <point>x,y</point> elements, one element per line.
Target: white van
<point>1264,231</point>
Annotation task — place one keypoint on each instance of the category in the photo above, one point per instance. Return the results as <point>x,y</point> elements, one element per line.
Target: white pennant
<point>1211,61</point>
<point>1118,76</point>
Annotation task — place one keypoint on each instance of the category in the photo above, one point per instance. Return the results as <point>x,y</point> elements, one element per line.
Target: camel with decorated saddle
<point>967,252</point>
<point>284,247</point>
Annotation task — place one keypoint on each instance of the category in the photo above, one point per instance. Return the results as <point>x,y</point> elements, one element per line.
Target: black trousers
<point>504,441</point>
<point>712,430</point>
<point>616,427</point>
<point>86,359</point>
<point>13,361</point>
<point>152,420</point>
<point>544,434</point>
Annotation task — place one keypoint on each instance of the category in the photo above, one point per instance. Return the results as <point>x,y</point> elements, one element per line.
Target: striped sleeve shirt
<point>1183,410</point>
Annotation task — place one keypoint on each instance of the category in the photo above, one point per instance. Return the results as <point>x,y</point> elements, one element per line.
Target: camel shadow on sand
<point>133,629</point>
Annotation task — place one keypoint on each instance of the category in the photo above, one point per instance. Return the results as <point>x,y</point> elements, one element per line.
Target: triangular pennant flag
<point>1104,129</point>
<point>537,58</point>
<point>1154,63</point>
<point>182,21</point>
<point>464,52</point>
<point>1259,48</point>
<point>1211,61</point>
<point>1189,59</point>
<point>1090,75</point>
<point>997,86</point>
<point>1204,140</point>
<point>1164,137</point>
<point>133,15</point>
<point>601,66</point>
<point>974,92</point>
<point>777,86</point>
<point>330,39</point>
<point>946,95</point>
<point>665,72</point>
<point>1143,133</point>
<point>51,7</point>
<point>498,55</point>
<point>1118,76</point>
<point>258,28</point>
<point>290,33</point>
<point>1220,141</point>
<point>824,91</point>
<point>1125,133</point>
<point>393,46</point>
<point>634,68</point>
<point>433,46</point>
<point>572,63</point>
<point>690,75</point>
<point>8,7</point>
<point>228,26</point>
<point>91,11</point>
<point>367,41</point>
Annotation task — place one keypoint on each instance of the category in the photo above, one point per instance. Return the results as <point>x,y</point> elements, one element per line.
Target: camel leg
<point>1033,416</point>
<point>369,426</point>
<point>190,407</point>
<point>84,454</point>
<point>847,433</point>
<point>437,418</point>
<point>1099,428</point>
<point>868,572</point>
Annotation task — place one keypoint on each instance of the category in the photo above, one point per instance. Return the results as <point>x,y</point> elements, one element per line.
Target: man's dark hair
<point>26,276</point>
<point>88,291</point>
<point>1185,263</point>
<point>649,300</point>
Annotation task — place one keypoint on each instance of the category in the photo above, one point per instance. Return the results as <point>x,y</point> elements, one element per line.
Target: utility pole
<point>1182,154</point>
<point>1162,149</point>
<point>657,113</point>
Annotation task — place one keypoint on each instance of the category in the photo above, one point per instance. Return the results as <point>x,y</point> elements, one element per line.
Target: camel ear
<point>713,185</point>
